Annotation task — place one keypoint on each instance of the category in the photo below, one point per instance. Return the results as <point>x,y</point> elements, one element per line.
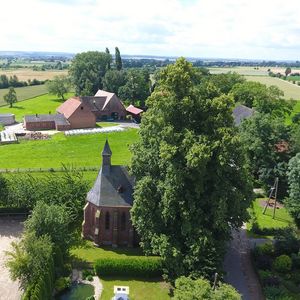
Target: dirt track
<point>10,230</point>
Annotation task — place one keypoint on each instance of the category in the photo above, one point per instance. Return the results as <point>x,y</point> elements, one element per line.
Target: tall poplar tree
<point>107,52</point>
<point>118,59</point>
<point>192,185</point>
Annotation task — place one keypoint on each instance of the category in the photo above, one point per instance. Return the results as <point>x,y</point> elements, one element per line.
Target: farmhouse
<point>77,113</point>
<point>105,106</point>
<point>46,122</point>
<point>107,211</point>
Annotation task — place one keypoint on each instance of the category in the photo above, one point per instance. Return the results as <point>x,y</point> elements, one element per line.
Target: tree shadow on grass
<point>88,245</point>
<point>17,107</point>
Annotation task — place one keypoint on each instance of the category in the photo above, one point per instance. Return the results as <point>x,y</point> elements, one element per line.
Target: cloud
<point>200,28</point>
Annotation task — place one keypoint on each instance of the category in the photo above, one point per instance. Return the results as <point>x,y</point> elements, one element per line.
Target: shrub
<point>266,249</point>
<point>296,260</point>
<point>89,278</point>
<point>268,279</point>
<point>263,262</point>
<point>286,242</point>
<point>61,284</point>
<point>136,267</point>
<point>282,264</point>
<point>274,293</point>
<point>87,272</point>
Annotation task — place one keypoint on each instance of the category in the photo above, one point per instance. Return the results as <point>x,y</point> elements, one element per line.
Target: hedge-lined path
<point>239,269</point>
<point>10,231</point>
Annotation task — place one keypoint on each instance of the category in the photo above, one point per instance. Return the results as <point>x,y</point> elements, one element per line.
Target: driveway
<point>238,266</point>
<point>10,230</point>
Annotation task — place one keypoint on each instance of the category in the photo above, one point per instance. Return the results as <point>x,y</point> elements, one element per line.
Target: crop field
<point>250,71</point>
<point>25,73</point>
<point>290,90</point>
<point>24,93</point>
<point>39,105</point>
<point>76,151</point>
<point>241,70</point>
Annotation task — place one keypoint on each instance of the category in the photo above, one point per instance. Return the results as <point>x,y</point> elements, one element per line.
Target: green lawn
<point>152,289</point>
<point>296,110</point>
<point>78,151</point>
<point>282,218</point>
<point>88,253</point>
<point>24,93</point>
<point>290,90</point>
<point>139,289</point>
<point>39,105</point>
<point>106,124</point>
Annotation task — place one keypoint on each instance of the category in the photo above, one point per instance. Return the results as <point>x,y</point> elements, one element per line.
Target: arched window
<point>107,220</point>
<point>123,221</point>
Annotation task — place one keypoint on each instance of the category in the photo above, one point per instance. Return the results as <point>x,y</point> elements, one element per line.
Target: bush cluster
<point>282,263</point>
<point>61,284</point>
<point>137,267</point>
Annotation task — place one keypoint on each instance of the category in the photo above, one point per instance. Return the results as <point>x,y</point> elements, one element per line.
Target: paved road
<point>239,269</point>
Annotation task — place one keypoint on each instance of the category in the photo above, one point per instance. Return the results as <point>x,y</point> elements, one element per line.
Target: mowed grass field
<point>39,105</point>
<point>76,151</point>
<point>24,93</point>
<point>290,90</point>
<point>27,73</point>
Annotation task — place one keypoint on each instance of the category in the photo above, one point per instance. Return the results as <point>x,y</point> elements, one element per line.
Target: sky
<point>245,29</point>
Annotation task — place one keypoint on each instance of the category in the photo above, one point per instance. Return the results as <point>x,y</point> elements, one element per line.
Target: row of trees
<point>13,81</point>
<point>91,71</point>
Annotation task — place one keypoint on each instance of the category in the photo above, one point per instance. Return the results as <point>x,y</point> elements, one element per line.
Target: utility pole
<point>272,195</point>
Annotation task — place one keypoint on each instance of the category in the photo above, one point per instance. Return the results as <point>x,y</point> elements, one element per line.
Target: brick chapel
<point>107,211</point>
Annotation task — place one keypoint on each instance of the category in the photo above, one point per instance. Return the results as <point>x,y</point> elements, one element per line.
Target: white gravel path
<point>10,230</point>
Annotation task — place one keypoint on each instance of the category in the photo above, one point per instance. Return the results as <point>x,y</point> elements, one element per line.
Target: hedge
<point>147,267</point>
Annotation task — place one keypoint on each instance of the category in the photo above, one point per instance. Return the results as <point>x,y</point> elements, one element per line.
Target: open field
<point>290,90</point>
<point>250,71</point>
<point>26,73</point>
<point>78,151</point>
<point>241,70</point>
<point>39,105</point>
<point>24,93</point>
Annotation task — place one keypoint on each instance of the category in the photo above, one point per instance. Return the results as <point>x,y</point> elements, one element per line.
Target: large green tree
<point>113,80</point>
<point>87,70</point>
<point>118,59</point>
<point>11,97</point>
<point>268,100</point>
<point>192,186</point>
<point>54,221</point>
<point>293,200</point>
<point>107,52</point>
<point>136,87</point>
<point>59,86</point>
<point>29,258</point>
<point>267,143</point>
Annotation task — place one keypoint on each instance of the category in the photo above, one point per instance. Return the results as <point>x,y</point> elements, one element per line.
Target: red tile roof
<point>69,107</point>
<point>134,110</point>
